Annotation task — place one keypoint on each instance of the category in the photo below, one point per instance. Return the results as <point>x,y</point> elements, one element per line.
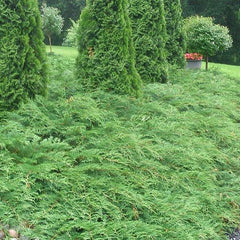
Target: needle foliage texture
<point>106,57</point>
<point>22,54</point>
<point>149,36</point>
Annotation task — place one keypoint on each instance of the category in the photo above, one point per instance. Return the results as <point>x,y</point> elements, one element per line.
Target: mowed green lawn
<point>68,52</point>
<point>231,70</point>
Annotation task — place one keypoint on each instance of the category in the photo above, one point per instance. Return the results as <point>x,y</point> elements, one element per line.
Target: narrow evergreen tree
<point>176,42</point>
<point>149,35</point>
<point>106,57</point>
<point>22,53</point>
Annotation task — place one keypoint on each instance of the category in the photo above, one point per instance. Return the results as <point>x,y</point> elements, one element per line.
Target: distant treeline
<point>70,9</point>
<point>225,12</point>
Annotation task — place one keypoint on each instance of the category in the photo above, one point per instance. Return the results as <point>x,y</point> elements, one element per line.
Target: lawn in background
<point>231,70</point>
<point>68,52</point>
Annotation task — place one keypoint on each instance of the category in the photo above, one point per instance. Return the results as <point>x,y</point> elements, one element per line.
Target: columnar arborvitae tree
<point>149,35</point>
<point>176,42</point>
<point>22,53</point>
<point>106,57</point>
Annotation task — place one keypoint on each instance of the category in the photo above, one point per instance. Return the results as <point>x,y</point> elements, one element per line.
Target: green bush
<point>22,53</point>
<point>149,36</point>
<point>71,39</point>
<point>176,45</point>
<point>102,166</point>
<point>106,57</point>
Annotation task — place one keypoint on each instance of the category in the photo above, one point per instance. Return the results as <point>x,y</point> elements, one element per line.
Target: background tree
<point>72,33</point>
<point>176,45</point>
<point>149,36</point>
<point>69,9</point>
<point>226,14</point>
<point>106,57</point>
<point>22,53</point>
<point>205,37</point>
<point>52,22</point>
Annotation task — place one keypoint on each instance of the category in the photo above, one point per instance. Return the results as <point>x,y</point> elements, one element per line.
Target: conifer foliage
<point>106,57</point>
<point>149,34</point>
<point>176,42</point>
<point>22,53</point>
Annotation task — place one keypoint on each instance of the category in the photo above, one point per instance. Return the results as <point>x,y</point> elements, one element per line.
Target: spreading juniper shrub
<point>104,166</point>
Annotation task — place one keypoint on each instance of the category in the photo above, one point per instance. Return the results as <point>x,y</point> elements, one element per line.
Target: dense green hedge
<point>149,35</point>
<point>106,57</point>
<point>176,42</point>
<point>22,53</point>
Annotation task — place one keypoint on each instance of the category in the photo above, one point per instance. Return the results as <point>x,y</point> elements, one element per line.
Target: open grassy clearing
<point>231,70</point>
<point>68,52</point>
<point>80,165</point>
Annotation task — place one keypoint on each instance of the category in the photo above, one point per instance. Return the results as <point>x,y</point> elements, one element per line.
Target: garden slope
<point>102,166</point>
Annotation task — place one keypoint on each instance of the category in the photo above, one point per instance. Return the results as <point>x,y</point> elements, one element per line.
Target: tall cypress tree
<point>176,42</point>
<point>149,34</point>
<point>22,53</point>
<point>106,57</point>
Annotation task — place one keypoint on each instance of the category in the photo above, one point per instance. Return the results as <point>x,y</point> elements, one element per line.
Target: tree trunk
<point>50,43</point>
<point>206,62</point>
